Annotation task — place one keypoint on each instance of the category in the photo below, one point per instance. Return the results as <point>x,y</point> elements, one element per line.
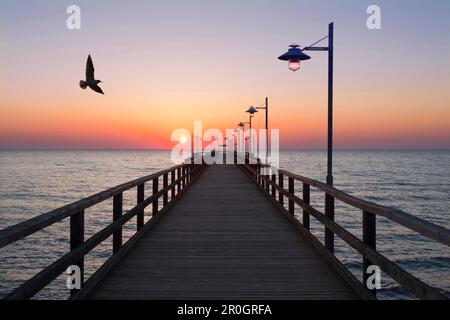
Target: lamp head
<point>294,56</point>
<point>252,110</point>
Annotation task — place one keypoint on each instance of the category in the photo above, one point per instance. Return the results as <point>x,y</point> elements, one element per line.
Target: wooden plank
<point>215,243</point>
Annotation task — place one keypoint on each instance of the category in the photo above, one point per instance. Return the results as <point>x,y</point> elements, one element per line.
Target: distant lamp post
<point>242,126</point>
<point>266,107</point>
<point>294,55</point>
<point>251,111</point>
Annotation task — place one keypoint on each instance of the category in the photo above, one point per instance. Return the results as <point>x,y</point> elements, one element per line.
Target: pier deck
<point>223,232</point>
<point>224,239</point>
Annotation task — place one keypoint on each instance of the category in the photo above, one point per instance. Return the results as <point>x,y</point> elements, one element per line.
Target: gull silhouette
<point>90,79</point>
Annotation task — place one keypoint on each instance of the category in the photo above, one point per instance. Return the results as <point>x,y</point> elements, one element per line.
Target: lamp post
<point>242,126</point>
<point>294,55</point>
<point>251,111</point>
<point>266,107</point>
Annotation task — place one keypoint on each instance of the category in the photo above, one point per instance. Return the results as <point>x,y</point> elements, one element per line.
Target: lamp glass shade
<point>294,64</point>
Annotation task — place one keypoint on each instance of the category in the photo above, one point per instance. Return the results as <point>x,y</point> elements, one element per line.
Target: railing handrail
<point>186,173</point>
<point>421,226</point>
<point>25,228</point>
<point>367,246</point>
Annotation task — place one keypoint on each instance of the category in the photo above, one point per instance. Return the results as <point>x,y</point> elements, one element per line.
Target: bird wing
<point>96,88</point>
<point>89,69</point>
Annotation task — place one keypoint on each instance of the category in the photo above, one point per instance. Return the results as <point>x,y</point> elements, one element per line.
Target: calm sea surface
<point>34,182</point>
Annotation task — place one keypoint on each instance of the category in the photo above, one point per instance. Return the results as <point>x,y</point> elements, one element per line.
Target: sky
<point>165,64</point>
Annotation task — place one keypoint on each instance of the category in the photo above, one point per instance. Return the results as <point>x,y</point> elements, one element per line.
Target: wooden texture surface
<point>223,240</point>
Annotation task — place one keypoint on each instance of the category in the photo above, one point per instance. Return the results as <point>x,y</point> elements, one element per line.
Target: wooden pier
<point>223,232</point>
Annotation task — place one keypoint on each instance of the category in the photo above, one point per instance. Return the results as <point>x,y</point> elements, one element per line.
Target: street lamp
<point>266,107</point>
<point>242,125</point>
<point>294,55</point>
<point>251,111</point>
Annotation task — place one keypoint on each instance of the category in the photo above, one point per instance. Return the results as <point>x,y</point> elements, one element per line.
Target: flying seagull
<point>90,80</point>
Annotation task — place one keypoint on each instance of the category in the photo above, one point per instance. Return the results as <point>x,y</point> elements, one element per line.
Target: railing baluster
<point>140,199</point>
<point>329,213</point>
<point>172,182</point>
<point>281,185</point>
<point>258,171</point>
<point>184,177</point>
<point>155,189</point>
<point>369,238</point>
<point>306,200</point>
<point>76,240</point>
<point>189,173</point>
<point>179,181</point>
<point>117,213</point>
<point>274,190</point>
<point>291,191</point>
<point>166,193</point>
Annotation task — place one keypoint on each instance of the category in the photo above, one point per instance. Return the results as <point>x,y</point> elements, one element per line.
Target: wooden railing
<point>181,177</point>
<point>274,184</point>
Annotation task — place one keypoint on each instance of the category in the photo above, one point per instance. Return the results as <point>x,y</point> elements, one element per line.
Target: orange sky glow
<point>384,99</point>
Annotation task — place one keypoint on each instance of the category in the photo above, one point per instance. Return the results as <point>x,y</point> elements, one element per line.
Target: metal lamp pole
<point>251,111</point>
<point>294,55</point>
<point>266,107</point>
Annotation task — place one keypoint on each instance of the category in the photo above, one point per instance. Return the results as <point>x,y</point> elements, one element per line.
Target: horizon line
<point>168,149</point>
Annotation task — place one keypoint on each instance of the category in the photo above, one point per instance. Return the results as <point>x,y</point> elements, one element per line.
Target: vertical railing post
<point>306,200</point>
<point>369,238</point>
<point>155,189</point>
<point>140,214</point>
<point>258,171</point>
<point>281,185</point>
<point>329,213</point>
<point>76,240</point>
<point>291,191</point>
<point>179,180</point>
<point>189,173</point>
<point>166,193</point>
<point>274,189</point>
<point>184,177</point>
<point>172,182</point>
<point>117,213</point>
